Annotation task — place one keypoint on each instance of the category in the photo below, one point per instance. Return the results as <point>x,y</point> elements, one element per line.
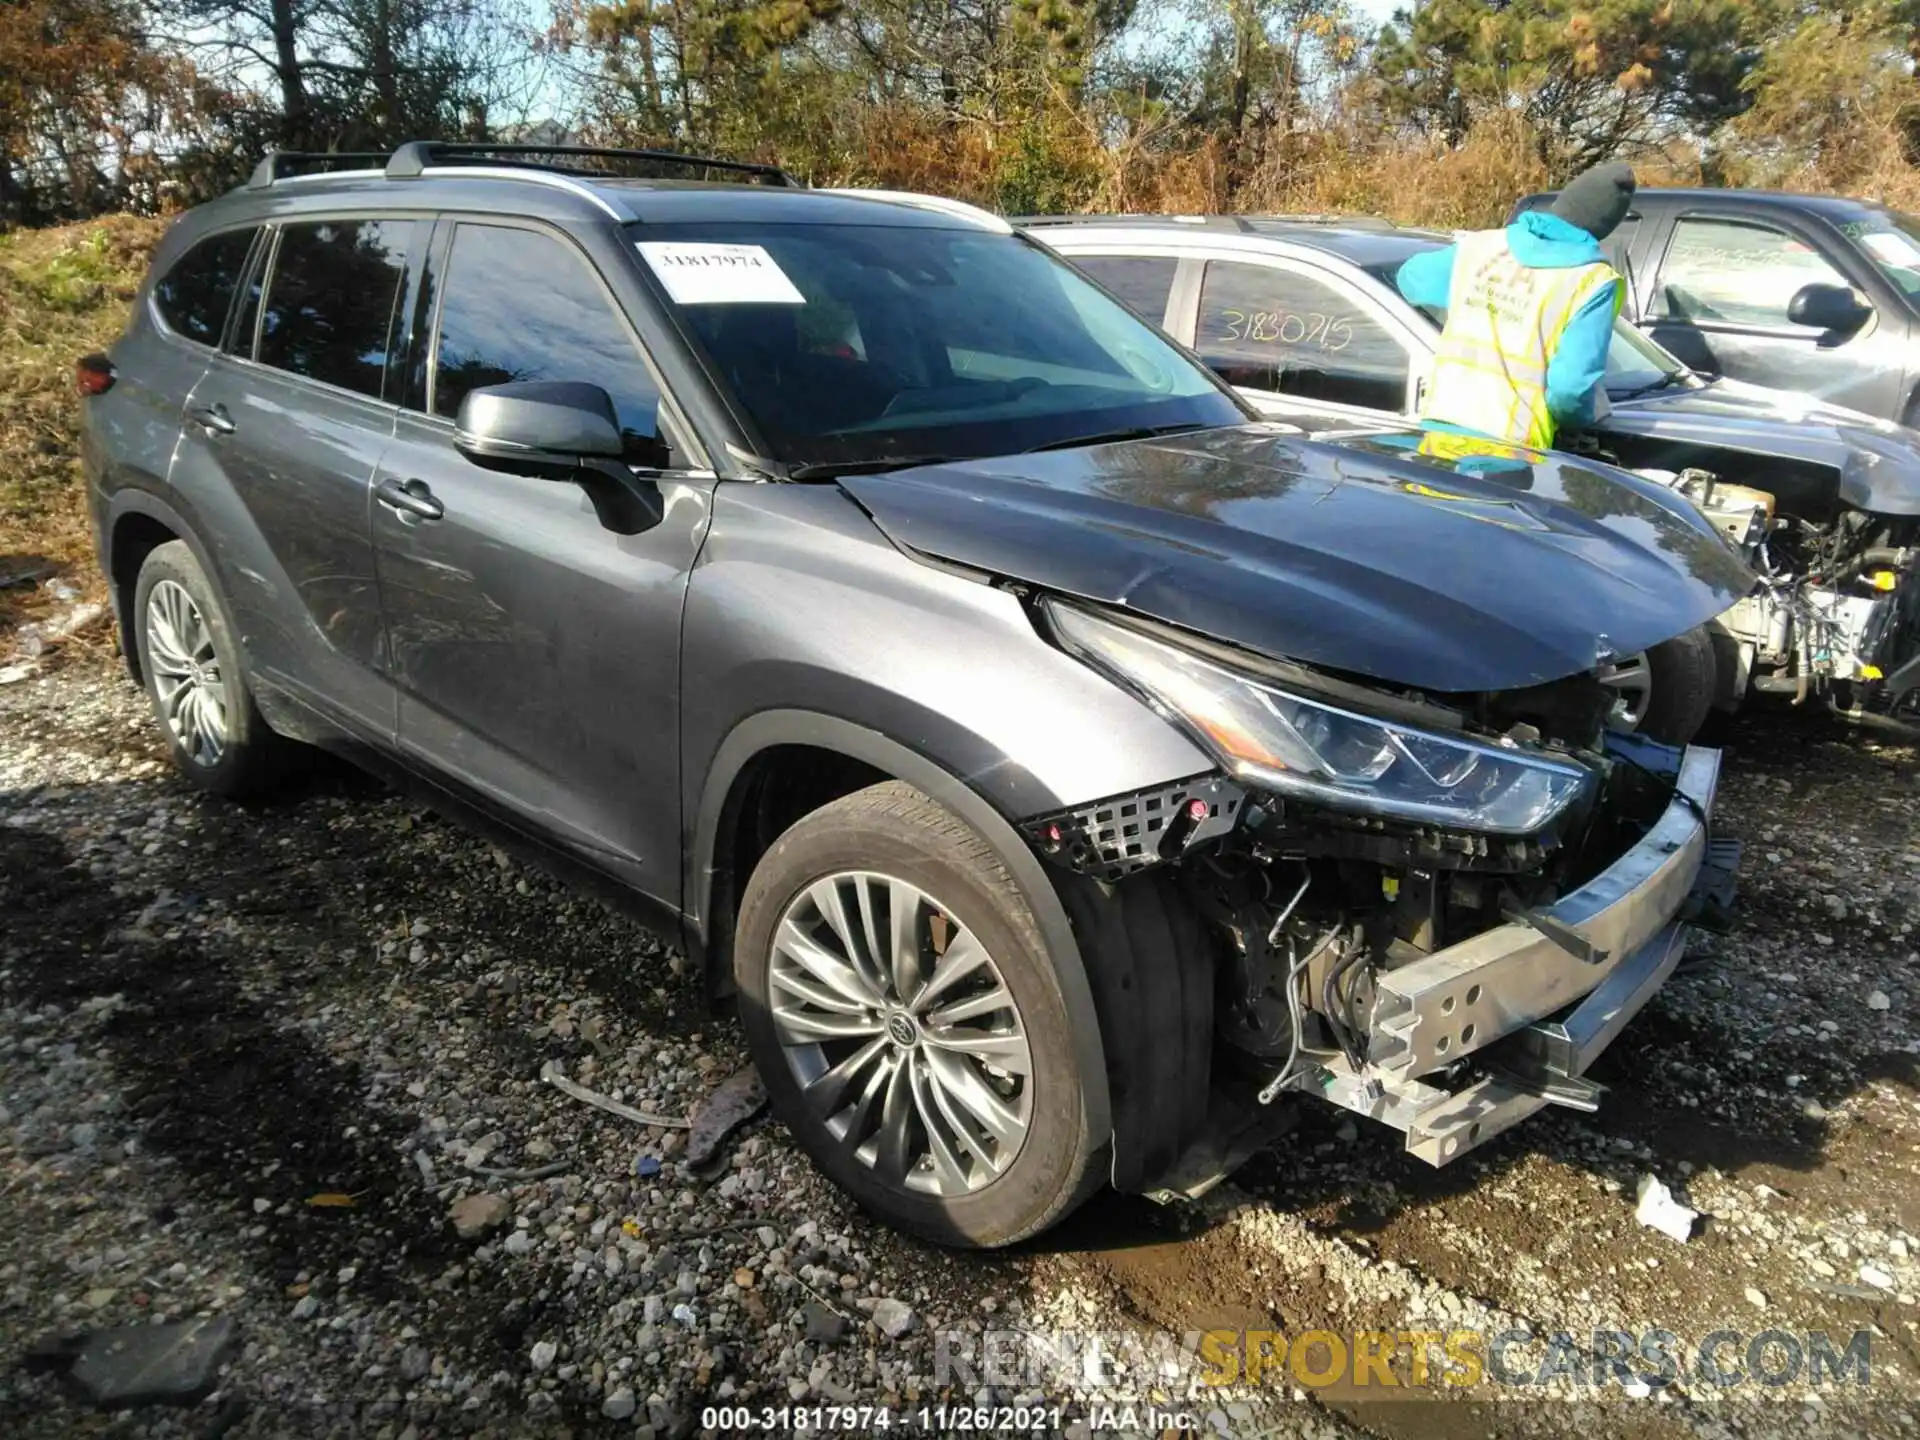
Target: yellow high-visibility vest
<point>1504,322</point>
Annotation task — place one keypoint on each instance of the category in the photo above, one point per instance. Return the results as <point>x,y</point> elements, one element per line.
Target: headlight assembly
<point>1316,751</point>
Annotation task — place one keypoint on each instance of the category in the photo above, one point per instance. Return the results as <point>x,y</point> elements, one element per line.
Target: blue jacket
<point>1544,242</point>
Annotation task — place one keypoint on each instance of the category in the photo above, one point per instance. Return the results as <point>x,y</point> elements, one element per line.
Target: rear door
<point>1719,301</point>
<point>131,432</point>
<point>536,647</point>
<point>1284,332</point>
<point>277,456</point>
<point>1143,283</point>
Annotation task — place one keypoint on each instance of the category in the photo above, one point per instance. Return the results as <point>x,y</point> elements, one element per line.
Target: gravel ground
<point>254,1062</point>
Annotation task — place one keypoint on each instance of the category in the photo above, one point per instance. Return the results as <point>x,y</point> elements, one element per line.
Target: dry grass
<point>63,292</point>
<point>1343,171</point>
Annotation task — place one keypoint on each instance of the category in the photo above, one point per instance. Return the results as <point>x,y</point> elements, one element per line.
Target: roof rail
<point>1351,222</point>
<point>279,164</point>
<point>957,208</point>
<point>1036,222</point>
<point>1241,224</point>
<point>412,158</point>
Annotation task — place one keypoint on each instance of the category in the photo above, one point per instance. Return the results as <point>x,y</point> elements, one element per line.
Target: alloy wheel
<point>1631,680</point>
<point>186,673</point>
<point>904,1038</point>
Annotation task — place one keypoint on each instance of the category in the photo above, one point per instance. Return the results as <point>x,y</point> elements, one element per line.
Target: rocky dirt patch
<point>284,1065</point>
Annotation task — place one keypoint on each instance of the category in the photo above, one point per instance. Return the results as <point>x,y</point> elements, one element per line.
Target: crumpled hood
<point>1878,462</point>
<point>1351,554</point>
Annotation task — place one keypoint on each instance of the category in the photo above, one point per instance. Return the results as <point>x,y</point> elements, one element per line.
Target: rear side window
<point>1143,282</point>
<point>1278,330</point>
<point>193,295</point>
<point>520,305</point>
<point>329,308</point>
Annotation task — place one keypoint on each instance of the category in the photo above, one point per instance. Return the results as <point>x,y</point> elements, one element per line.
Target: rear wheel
<point>902,1009</point>
<point>1666,692</point>
<point>199,692</point>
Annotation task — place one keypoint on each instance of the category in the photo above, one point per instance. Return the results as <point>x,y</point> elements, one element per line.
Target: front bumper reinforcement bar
<point>1540,1008</point>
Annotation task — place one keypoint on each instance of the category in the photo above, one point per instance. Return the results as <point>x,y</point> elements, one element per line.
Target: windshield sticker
<point>697,273</point>
<point>1891,247</point>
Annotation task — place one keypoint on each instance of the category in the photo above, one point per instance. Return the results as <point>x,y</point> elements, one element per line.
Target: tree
<point>692,70</point>
<point>1266,68</point>
<point>1596,79</point>
<point>83,92</point>
<point>368,74</point>
<point>1834,103</point>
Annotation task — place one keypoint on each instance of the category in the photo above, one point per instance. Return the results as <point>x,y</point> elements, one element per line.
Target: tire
<point>911,855</point>
<point>1668,689</point>
<point>218,739</point>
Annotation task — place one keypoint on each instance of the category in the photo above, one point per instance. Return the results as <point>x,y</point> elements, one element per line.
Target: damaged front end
<point>1432,910</point>
<point>1837,610</point>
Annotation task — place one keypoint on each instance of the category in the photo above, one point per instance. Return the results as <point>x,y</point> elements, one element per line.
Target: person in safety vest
<point>1530,313</point>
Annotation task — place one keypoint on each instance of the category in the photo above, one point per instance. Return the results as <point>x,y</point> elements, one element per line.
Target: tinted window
<point>1736,271</point>
<point>1143,281</point>
<point>1283,331</point>
<point>329,308</point>
<point>193,295</point>
<point>879,344</point>
<point>520,305</point>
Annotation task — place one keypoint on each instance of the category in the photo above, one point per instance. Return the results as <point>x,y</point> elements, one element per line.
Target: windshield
<point>1892,241</point>
<point>864,345</point>
<point>1633,361</point>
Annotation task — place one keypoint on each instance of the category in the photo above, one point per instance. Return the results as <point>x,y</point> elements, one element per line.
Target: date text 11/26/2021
<point>937,1419</point>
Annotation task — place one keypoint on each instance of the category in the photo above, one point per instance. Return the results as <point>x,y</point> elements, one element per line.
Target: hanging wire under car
<point>1288,1072</point>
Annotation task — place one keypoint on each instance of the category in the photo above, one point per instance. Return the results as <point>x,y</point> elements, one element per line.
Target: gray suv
<point>1056,764</point>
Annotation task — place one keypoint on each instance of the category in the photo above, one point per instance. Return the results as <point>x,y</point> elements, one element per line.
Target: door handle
<point>211,418</point>
<point>409,498</point>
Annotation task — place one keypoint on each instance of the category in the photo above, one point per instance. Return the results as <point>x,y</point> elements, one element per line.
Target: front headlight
<point>1286,742</point>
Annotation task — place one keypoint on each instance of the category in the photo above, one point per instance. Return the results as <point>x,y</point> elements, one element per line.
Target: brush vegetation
<point>64,291</point>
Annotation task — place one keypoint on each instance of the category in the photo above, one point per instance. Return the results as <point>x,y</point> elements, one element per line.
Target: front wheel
<point>901,1007</point>
<point>1666,692</point>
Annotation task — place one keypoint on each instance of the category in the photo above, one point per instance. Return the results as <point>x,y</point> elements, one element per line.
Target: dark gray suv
<point>1057,765</point>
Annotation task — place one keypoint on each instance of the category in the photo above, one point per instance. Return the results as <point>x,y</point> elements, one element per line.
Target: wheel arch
<point>139,522</point>
<point>850,757</point>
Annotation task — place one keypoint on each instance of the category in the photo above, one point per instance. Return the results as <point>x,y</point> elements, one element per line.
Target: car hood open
<point>1352,554</point>
<point>1877,461</point>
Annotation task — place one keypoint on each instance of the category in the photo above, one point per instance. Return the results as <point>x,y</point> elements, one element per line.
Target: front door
<point>1719,302</point>
<point>535,647</point>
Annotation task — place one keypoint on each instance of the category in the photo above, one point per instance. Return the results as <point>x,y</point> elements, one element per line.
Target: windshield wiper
<point>1115,437</point>
<point>880,464</point>
<point>876,465</point>
<point>1665,382</point>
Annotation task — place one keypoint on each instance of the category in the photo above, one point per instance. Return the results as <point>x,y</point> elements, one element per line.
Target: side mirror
<point>1827,307</point>
<point>549,428</point>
